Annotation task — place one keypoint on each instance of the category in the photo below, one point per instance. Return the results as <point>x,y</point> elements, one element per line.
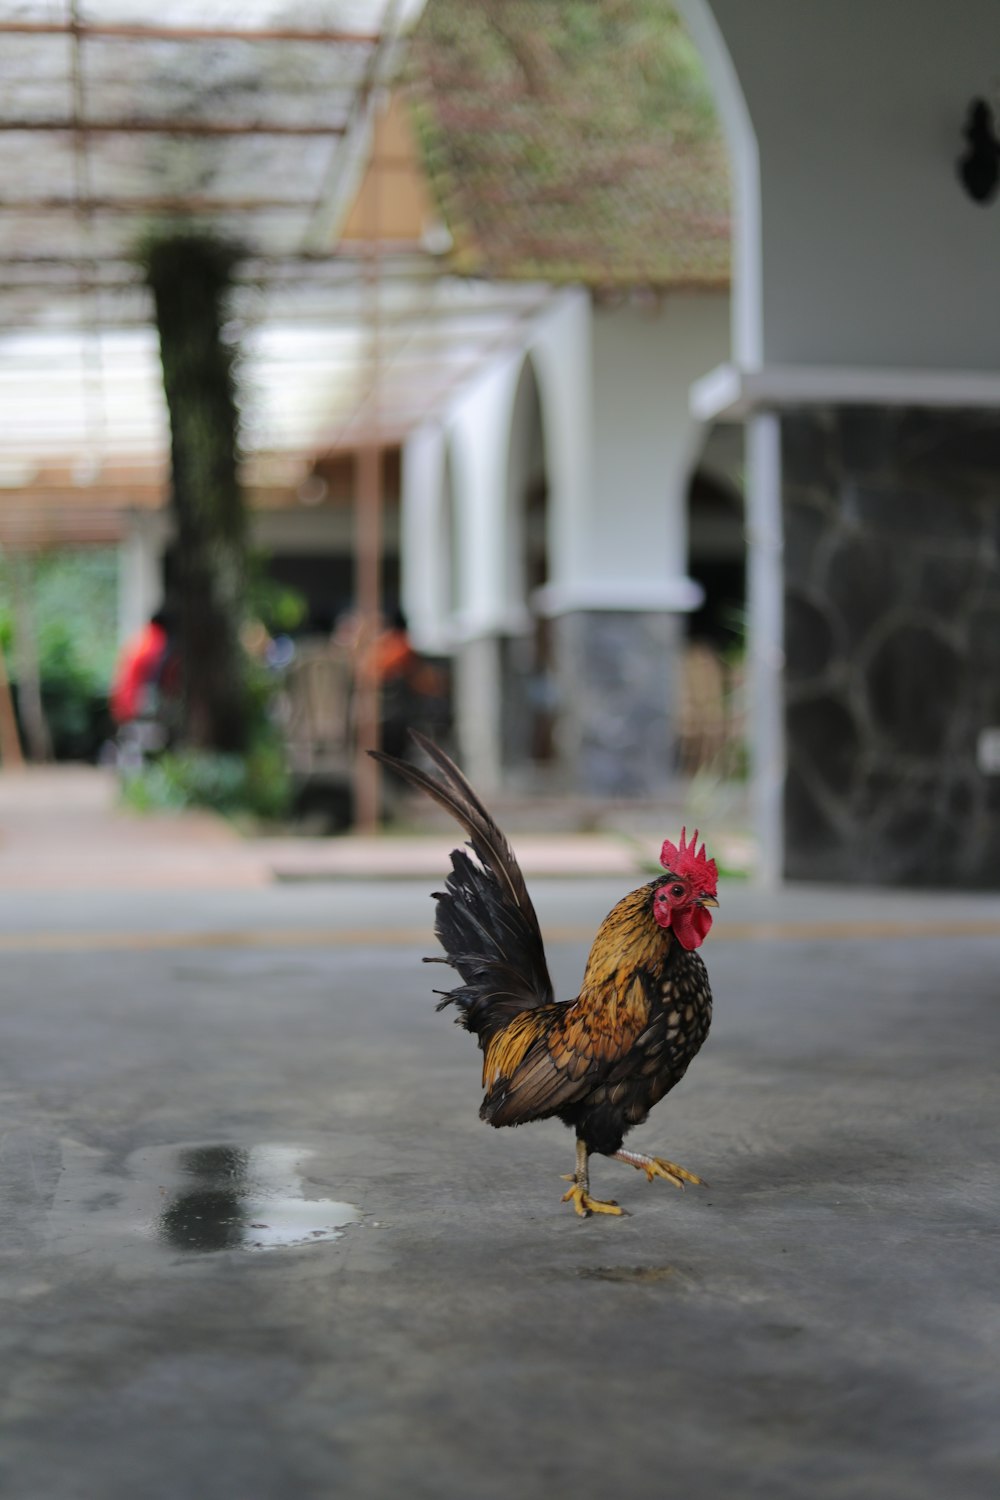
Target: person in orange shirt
<point>391,656</point>
<point>413,691</point>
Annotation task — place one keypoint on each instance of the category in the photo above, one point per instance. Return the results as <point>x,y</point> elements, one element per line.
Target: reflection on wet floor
<point>213,1214</point>
<point>198,1198</point>
<point>237,1198</point>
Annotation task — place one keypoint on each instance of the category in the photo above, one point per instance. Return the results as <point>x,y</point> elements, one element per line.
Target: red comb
<point>688,860</point>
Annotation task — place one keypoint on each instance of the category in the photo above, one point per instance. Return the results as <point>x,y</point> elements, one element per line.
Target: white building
<point>545,506</point>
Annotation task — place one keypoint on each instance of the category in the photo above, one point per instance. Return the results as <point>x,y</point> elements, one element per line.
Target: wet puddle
<point>194,1198</point>
<point>231,1198</point>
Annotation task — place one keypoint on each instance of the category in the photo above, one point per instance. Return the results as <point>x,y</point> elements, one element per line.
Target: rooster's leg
<point>584,1204</point>
<point>656,1166</point>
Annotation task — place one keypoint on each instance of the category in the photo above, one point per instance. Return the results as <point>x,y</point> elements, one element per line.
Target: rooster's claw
<point>585,1205</point>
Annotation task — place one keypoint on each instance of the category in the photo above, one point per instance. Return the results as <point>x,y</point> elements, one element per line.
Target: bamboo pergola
<point>268,133</point>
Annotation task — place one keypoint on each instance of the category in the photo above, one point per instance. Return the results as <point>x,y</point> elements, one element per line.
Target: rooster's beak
<point>707,901</point>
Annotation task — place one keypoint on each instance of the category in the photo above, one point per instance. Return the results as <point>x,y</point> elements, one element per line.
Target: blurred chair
<point>704,729</point>
<point>317,710</point>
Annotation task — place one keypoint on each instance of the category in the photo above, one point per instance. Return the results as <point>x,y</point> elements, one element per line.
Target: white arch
<point>561,350</point>
<point>527,462</point>
<point>744,157</point>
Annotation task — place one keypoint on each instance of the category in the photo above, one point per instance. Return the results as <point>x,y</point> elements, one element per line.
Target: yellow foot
<point>657,1166</point>
<point>584,1204</point>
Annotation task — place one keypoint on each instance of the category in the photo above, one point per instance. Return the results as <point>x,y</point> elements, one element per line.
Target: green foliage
<point>267,780</point>
<point>70,682</point>
<point>72,597</point>
<point>63,661</point>
<point>74,602</point>
<point>76,592</point>
<point>279,608</point>
<point>256,783</point>
<point>735,620</point>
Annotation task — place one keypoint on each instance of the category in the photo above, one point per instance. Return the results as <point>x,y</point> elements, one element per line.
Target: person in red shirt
<point>139,670</point>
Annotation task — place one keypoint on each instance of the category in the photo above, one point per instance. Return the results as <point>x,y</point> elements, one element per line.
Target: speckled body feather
<point>602,1061</point>
<point>599,1062</point>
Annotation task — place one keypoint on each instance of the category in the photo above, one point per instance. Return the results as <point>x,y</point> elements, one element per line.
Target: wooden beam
<point>119,32</point>
<point>173,127</point>
<point>178,204</point>
<point>368,598</point>
<point>368,552</point>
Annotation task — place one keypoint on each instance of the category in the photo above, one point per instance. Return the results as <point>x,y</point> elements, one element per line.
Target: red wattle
<point>691,925</point>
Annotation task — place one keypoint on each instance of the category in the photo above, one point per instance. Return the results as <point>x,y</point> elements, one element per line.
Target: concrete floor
<point>255,1242</point>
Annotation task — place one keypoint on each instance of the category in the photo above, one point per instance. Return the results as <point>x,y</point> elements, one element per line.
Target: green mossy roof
<point>571,141</point>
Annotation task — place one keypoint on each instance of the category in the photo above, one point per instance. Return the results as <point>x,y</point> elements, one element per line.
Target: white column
<point>765,662</point>
<point>425,542</point>
<point>477,697</point>
<point>140,585</point>
<point>478,433</point>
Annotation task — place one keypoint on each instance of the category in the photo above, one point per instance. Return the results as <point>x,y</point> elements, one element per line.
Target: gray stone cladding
<point>892,641</point>
<point>616,676</point>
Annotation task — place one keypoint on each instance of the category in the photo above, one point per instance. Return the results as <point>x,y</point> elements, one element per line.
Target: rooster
<point>599,1062</point>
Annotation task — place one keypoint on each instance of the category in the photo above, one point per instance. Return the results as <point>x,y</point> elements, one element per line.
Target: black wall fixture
<point>979,168</point>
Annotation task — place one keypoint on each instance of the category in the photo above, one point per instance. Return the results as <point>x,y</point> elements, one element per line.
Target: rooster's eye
<point>676,890</point>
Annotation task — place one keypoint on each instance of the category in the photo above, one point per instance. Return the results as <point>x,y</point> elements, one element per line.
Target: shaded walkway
<point>62,828</point>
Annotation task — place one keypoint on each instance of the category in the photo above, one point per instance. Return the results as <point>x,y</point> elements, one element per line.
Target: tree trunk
<point>190,277</point>
<point>29,677</point>
<point>11,755</point>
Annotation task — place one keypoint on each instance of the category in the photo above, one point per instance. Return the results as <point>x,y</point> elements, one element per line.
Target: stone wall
<point>617,670</point>
<point>892,638</point>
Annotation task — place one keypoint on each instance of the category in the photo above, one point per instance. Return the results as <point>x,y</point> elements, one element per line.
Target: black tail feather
<point>485,919</point>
